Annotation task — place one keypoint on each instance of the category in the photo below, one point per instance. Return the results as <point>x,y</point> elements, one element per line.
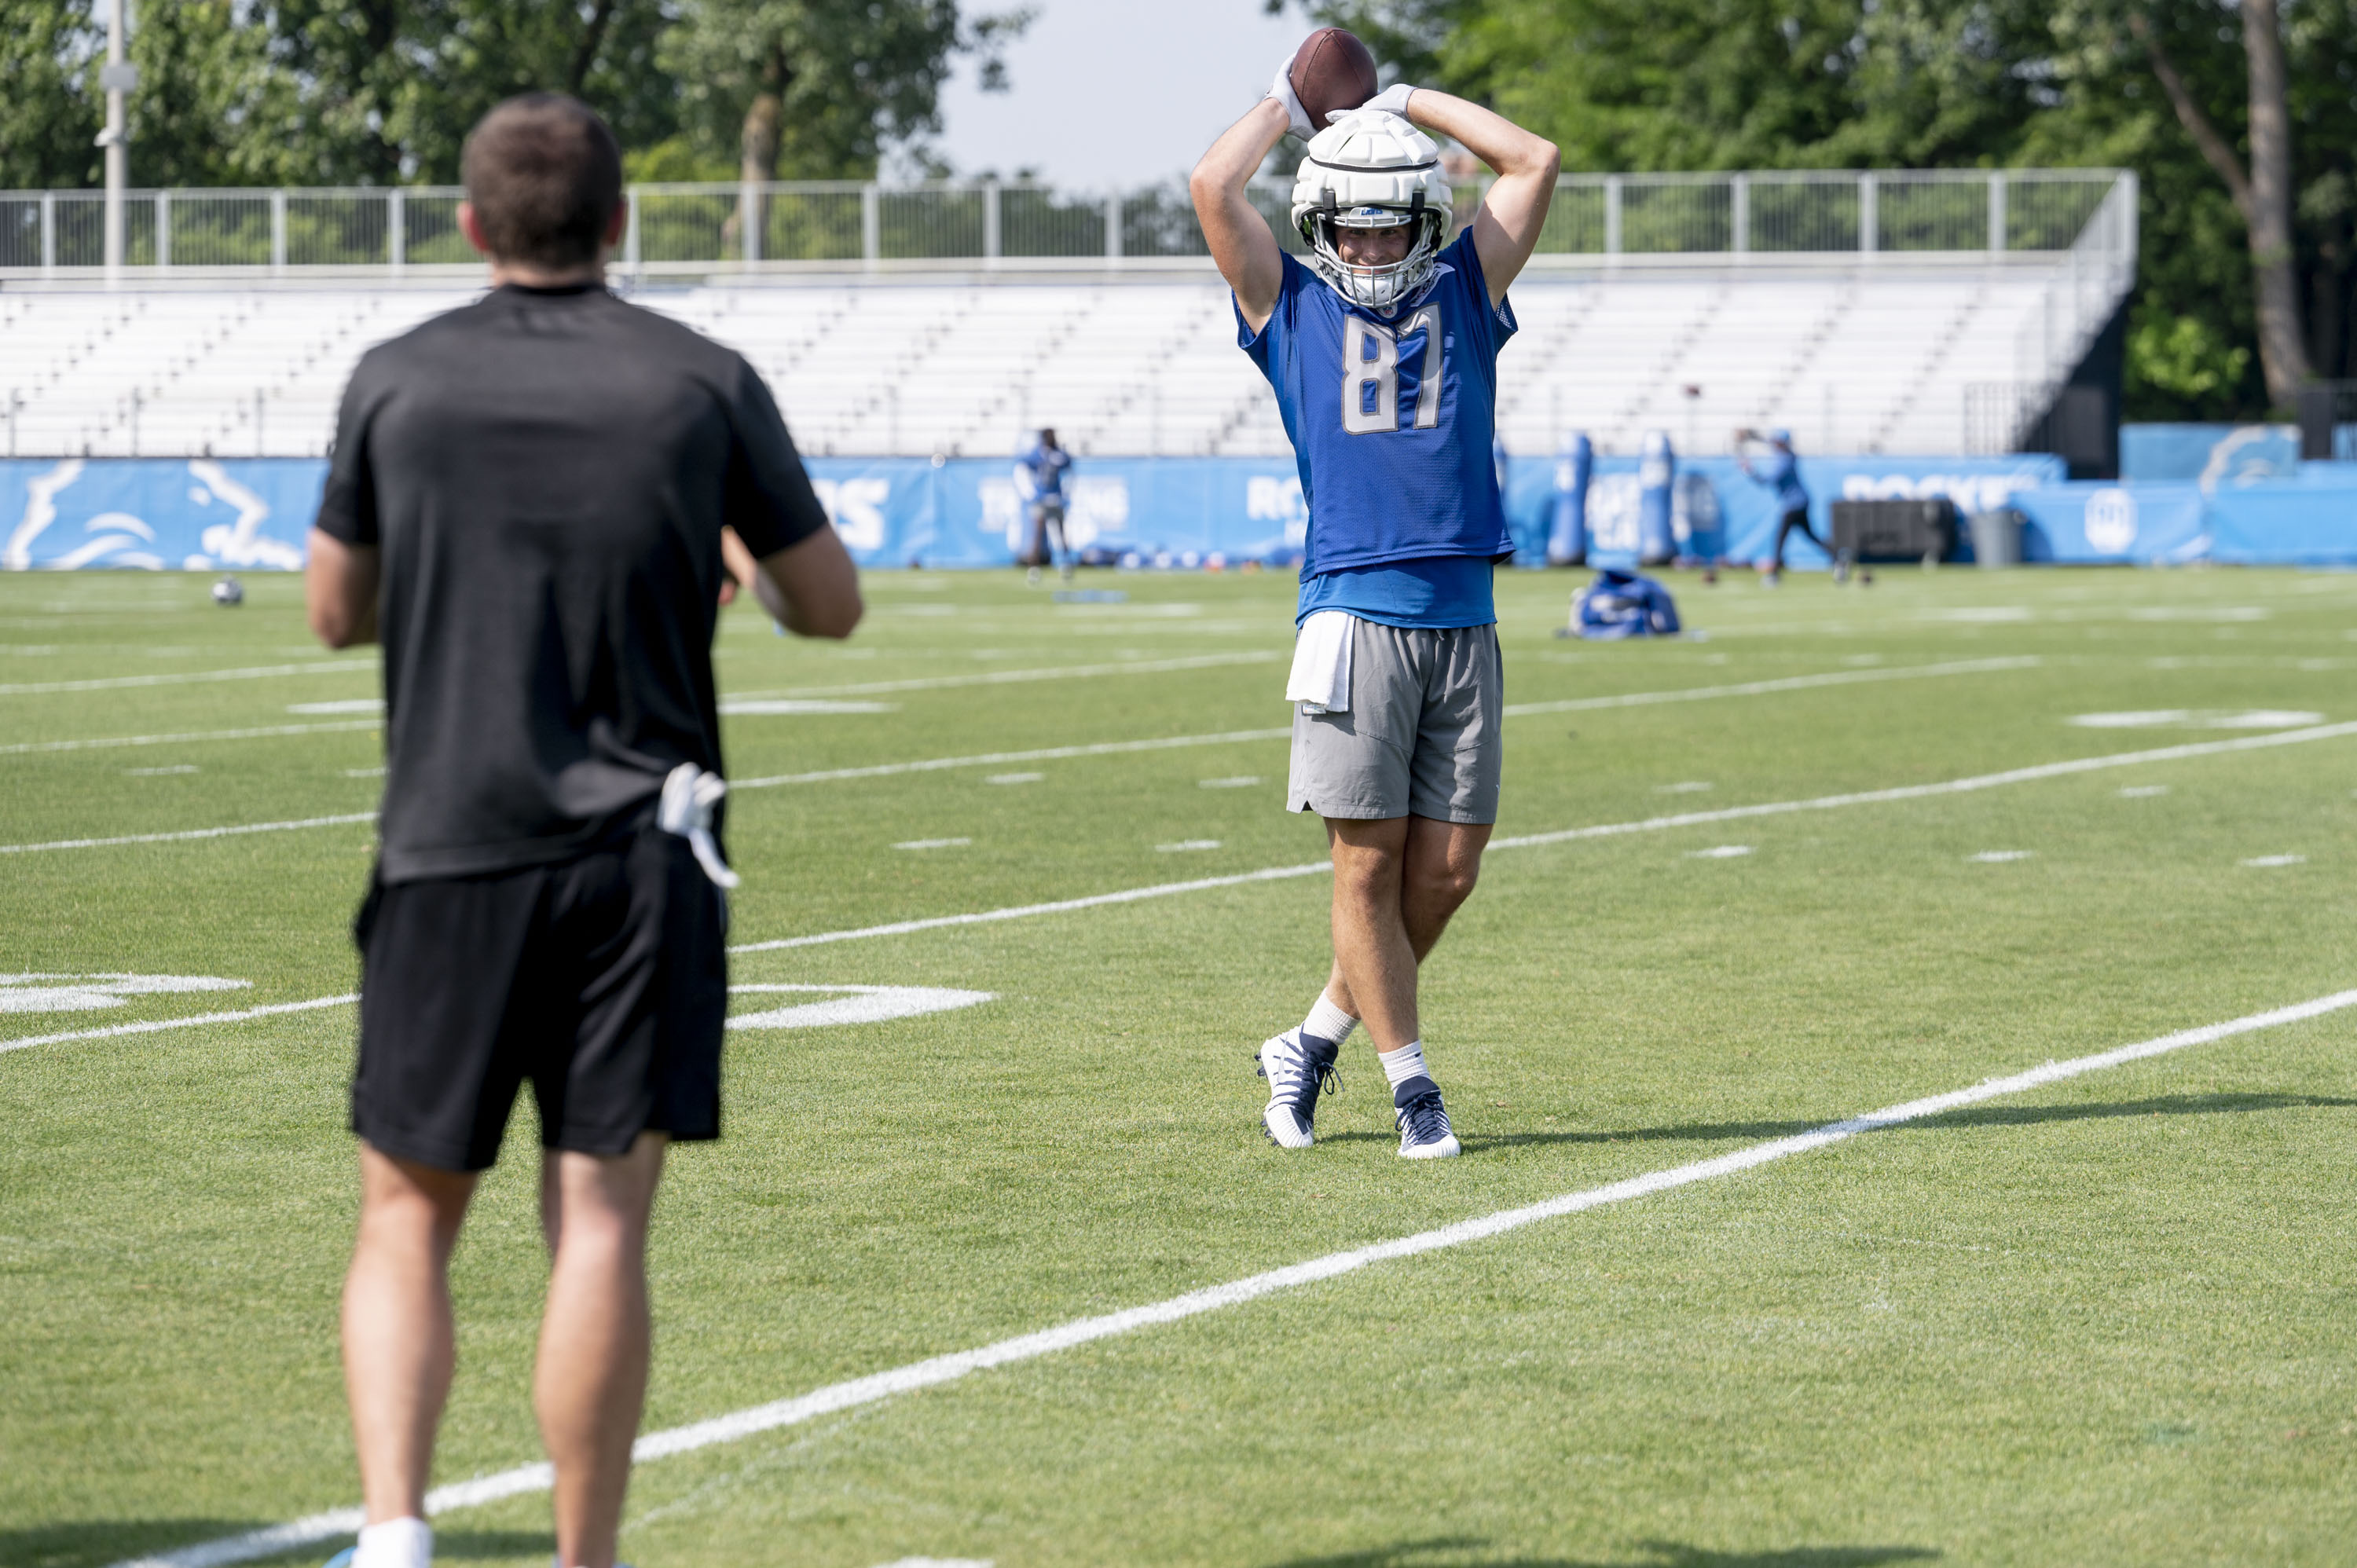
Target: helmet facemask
<point>1383,286</point>
<point>1372,169</point>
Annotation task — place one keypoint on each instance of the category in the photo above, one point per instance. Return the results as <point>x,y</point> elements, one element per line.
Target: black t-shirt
<point>547,472</point>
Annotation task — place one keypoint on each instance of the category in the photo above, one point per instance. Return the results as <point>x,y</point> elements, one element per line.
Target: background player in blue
<point>1382,352</point>
<point>1780,472</point>
<point>1040,480</point>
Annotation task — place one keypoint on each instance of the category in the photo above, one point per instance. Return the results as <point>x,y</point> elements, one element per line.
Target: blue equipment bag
<point>1622,604</point>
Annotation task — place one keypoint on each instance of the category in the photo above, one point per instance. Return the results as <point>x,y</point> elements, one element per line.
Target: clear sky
<point>1116,92</point>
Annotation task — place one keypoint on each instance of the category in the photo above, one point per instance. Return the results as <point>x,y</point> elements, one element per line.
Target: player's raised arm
<point>1238,235</point>
<point>1506,229</point>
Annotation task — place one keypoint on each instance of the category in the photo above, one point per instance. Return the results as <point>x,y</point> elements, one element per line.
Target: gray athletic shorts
<point>1421,737</point>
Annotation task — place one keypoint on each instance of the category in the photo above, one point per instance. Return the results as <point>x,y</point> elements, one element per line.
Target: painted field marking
<point>994,759</point>
<point>191,833</point>
<point>1014,677</point>
<point>90,992</point>
<point>1521,710</point>
<point>1683,787</point>
<point>1720,852</point>
<point>782,707</point>
<point>1241,781</point>
<point>160,1024</point>
<point>341,706</point>
<point>1100,749</point>
<point>933,844</point>
<point>161,772</point>
<point>1014,778</point>
<point>856,1005</point>
<point>738,1425</point>
<point>192,677</point>
<point>1186,846</point>
<point>1998,856</point>
<point>109,741</point>
<point>2143,791</point>
<point>1784,683</point>
<point>2198,718</point>
<point>2270,860</point>
<point>1603,830</point>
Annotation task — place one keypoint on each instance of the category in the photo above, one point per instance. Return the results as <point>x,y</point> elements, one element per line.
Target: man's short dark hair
<point>544,177</point>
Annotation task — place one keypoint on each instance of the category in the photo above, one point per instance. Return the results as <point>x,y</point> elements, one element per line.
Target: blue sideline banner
<point>199,514</point>
<point>2208,454</point>
<point>1747,513</point>
<point>2308,521</point>
<point>224,514</point>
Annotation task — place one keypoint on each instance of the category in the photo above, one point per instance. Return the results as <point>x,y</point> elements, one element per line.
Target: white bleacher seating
<point>1852,358</point>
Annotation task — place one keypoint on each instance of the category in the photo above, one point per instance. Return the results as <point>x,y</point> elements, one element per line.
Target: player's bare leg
<point>399,1347</point>
<point>590,1381</point>
<point>1434,873</point>
<point>1398,881</point>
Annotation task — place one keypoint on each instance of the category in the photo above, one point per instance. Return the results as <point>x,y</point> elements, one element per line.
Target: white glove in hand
<point>1282,90</point>
<point>1392,99</point>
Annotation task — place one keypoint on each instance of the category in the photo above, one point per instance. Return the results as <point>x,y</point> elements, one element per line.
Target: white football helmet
<point>1372,170</point>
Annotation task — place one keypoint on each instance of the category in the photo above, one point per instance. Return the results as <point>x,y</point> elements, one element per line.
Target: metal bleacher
<point>1858,352</point>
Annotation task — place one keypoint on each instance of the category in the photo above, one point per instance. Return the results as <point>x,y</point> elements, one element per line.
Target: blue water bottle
<point>1567,538</point>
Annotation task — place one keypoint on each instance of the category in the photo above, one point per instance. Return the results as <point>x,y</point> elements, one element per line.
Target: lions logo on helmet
<point>1372,170</point>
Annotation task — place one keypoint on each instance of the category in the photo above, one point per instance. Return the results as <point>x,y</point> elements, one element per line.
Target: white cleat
<point>1423,1128</point>
<point>1297,1068</point>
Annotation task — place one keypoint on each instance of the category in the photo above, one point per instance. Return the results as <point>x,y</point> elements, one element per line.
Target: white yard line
<point>1600,829</point>
<point>1787,683</point>
<point>1014,677</point>
<point>231,832</point>
<point>154,1025</point>
<point>257,673</point>
<point>1106,748</point>
<point>1520,710</point>
<point>738,1425</point>
<point>992,759</point>
<point>194,736</point>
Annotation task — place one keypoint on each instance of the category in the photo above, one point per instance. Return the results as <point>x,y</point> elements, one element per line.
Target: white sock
<point>1404,1063</point>
<point>1328,1022</point>
<point>395,1543</point>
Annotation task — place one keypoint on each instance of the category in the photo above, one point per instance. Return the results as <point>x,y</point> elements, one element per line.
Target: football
<point>1331,71</point>
<point>229,593</point>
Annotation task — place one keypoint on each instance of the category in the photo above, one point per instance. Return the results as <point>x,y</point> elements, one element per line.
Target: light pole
<point>118,77</point>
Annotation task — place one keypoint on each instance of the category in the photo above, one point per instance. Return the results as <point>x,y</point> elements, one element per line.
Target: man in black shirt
<point>527,507</point>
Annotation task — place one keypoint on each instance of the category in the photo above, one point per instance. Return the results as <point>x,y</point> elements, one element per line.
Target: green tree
<point>814,89</point>
<point>2249,221</point>
<point>48,109</point>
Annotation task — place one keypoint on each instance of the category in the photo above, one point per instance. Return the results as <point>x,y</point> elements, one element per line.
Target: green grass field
<point>2111,1320</point>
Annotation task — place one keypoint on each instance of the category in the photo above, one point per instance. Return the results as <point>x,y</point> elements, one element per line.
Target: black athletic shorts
<point>602,979</point>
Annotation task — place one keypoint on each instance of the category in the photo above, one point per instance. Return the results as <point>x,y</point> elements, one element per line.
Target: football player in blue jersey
<point>1383,352</point>
<point>1040,481</point>
<point>1780,472</point>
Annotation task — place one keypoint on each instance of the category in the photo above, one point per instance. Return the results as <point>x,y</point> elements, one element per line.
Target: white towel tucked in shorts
<point>1320,681</point>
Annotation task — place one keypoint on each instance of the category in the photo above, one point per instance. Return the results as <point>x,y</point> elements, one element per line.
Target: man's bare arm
<point>1506,229</point>
<point>811,589</point>
<point>1238,235</point>
<point>339,589</point>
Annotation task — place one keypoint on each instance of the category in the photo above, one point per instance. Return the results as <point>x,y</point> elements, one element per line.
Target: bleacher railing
<point>699,230</point>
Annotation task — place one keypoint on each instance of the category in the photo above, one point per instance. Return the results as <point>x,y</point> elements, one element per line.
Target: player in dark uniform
<point>526,507</point>
<point>1383,354</point>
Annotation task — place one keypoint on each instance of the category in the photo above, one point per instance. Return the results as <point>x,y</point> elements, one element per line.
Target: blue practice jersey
<point>1391,416</point>
<point>1046,467</point>
<point>1781,473</point>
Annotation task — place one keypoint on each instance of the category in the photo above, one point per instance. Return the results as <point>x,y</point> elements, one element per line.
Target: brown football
<point>1331,70</point>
